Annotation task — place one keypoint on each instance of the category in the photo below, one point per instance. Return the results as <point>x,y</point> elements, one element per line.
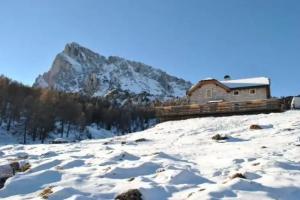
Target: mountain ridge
<point>79,69</point>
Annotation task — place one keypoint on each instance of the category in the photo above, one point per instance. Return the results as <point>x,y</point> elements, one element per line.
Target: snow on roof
<point>208,78</point>
<point>237,83</point>
<point>248,82</point>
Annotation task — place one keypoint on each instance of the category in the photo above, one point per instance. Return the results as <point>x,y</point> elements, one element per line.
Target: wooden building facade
<point>239,90</point>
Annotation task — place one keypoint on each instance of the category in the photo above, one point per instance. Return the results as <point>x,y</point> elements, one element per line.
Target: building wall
<point>199,95</point>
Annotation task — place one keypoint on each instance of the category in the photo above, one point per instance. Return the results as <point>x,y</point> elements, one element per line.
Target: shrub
<point>46,193</point>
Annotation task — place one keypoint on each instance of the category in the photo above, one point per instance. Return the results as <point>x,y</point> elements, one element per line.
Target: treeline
<point>41,111</point>
<point>179,101</point>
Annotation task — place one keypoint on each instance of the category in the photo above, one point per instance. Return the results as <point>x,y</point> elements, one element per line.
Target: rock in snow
<point>178,161</point>
<point>78,69</point>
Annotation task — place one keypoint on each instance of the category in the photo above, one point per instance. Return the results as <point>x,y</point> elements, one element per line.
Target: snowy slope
<point>179,160</point>
<point>78,69</point>
<point>6,138</point>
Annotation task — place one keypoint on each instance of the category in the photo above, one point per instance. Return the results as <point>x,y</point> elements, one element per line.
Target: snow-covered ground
<point>92,131</point>
<point>178,160</point>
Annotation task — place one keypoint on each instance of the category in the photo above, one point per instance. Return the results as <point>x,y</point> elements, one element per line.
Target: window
<point>208,93</point>
<point>236,93</point>
<point>252,91</point>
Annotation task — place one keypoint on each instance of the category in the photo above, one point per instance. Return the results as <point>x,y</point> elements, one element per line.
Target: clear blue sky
<point>192,39</point>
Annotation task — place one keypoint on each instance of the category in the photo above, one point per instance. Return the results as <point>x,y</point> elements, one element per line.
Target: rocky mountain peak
<point>79,69</point>
<point>80,53</point>
<point>75,49</point>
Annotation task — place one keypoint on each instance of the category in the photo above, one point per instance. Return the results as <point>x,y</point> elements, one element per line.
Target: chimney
<point>227,77</point>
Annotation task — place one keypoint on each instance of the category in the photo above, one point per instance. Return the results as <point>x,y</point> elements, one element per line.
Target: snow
<point>77,66</point>
<point>98,133</point>
<point>178,160</point>
<point>248,82</point>
<point>295,104</point>
<point>93,131</point>
<point>41,82</point>
<point>60,140</point>
<point>6,138</point>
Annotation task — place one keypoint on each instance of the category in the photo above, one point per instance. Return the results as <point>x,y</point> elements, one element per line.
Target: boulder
<point>219,137</point>
<point>255,127</point>
<point>238,175</point>
<point>2,181</point>
<point>9,170</point>
<point>141,140</point>
<point>133,194</point>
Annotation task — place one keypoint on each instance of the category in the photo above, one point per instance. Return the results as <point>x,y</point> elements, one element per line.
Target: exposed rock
<point>78,69</point>
<point>2,181</point>
<point>46,193</point>
<point>133,194</point>
<point>141,140</point>
<point>9,170</point>
<point>15,166</point>
<point>190,194</point>
<point>219,137</point>
<point>24,167</point>
<point>255,127</point>
<point>238,175</point>
<point>131,179</point>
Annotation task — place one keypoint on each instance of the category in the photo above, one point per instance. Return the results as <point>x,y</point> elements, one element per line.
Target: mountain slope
<point>176,160</point>
<point>78,69</point>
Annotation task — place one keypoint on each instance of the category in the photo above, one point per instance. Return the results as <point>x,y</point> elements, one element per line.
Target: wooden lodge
<point>211,97</point>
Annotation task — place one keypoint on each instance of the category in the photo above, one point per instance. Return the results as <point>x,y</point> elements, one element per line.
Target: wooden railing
<point>220,108</point>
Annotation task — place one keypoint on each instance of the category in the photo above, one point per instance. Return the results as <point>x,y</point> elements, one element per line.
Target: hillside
<point>174,160</point>
<point>78,69</point>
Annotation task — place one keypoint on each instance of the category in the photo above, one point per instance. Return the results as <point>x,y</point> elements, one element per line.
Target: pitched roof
<point>248,82</point>
<point>207,81</point>
<point>233,84</point>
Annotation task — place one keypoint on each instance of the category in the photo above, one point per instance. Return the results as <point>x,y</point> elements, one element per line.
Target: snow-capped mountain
<point>78,69</point>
